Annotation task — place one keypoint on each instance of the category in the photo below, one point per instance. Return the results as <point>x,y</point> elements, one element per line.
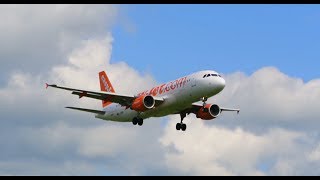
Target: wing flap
<point>88,110</point>
<point>89,95</point>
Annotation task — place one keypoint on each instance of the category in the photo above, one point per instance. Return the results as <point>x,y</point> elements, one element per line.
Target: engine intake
<point>210,111</point>
<point>143,103</point>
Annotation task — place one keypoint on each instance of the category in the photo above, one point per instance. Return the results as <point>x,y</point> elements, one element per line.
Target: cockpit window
<point>207,75</point>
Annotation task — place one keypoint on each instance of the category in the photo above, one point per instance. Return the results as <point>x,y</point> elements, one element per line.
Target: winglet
<point>51,85</point>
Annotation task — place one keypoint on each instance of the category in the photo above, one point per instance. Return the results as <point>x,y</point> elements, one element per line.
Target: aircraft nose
<point>221,83</point>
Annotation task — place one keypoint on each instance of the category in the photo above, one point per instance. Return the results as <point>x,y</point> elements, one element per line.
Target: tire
<point>178,126</point>
<point>183,127</point>
<point>134,121</point>
<point>140,122</point>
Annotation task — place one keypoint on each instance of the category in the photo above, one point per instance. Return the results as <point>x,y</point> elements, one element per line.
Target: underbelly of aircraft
<point>172,105</point>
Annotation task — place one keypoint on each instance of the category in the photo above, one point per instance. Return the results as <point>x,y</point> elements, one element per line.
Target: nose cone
<point>220,83</point>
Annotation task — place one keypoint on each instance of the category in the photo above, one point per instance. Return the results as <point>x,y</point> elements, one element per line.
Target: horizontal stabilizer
<point>88,110</point>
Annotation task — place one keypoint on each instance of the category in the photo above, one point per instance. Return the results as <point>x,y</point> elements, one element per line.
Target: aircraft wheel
<point>178,126</point>
<point>183,127</point>
<point>140,121</point>
<point>134,121</point>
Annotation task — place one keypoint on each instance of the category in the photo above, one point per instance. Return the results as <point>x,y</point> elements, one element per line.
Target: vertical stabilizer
<point>105,85</point>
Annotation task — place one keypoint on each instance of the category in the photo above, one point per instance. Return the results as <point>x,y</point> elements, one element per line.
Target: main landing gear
<point>181,125</point>
<point>137,120</point>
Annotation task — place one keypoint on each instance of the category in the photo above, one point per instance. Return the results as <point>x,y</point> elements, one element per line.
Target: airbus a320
<point>182,96</point>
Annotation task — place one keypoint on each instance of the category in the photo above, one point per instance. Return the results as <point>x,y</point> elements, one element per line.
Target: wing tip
<point>50,85</point>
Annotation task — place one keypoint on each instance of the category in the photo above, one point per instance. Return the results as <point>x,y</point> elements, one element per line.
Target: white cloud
<point>206,150</point>
<point>36,37</point>
<point>48,131</point>
<point>94,56</point>
<point>35,167</point>
<point>315,154</point>
<point>272,98</point>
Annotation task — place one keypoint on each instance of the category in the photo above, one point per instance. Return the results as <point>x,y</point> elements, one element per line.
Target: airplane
<point>182,96</point>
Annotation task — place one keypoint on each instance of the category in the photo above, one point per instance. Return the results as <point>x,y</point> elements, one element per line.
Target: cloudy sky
<point>268,54</point>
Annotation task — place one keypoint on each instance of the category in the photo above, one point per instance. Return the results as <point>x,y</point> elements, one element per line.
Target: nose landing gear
<point>204,100</point>
<point>181,126</point>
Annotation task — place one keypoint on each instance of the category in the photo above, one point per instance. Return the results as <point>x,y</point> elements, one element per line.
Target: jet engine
<point>210,111</point>
<point>143,103</point>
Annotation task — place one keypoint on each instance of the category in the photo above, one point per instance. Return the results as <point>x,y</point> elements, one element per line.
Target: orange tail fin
<point>105,85</point>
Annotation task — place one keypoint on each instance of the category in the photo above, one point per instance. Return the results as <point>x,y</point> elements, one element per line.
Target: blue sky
<point>169,41</point>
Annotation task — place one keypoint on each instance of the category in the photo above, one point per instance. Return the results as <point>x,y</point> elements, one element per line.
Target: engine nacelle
<point>143,103</point>
<point>210,111</point>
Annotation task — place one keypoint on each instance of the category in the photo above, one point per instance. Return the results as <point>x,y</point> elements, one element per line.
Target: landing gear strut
<point>204,100</point>
<point>181,125</point>
<point>137,120</point>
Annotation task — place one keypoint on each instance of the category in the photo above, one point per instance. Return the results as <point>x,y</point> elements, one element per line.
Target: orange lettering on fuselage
<point>179,83</point>
<point>161,89</point>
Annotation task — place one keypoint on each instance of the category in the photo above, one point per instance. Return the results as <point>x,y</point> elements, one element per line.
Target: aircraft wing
<point>229,109</point>
<point>88,110</point>
<point>122,99</point>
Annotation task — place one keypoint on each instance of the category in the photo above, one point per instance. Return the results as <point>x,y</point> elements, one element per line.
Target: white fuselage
<point>178,95</point>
